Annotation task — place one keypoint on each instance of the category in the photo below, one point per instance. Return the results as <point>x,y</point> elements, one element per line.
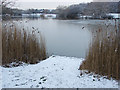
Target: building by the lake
<point>114,15</point>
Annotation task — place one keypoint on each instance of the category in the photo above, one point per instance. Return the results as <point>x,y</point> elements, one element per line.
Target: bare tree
<point>8,3</point>
<point>62,12</point>
<point>106,0</point>
<point>99,9</point>
<point>6,6</point>
<point>70,12</point>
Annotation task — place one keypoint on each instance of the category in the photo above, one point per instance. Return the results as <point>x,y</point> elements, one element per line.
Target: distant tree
<point>6,6</point>
<point>97,9</point>
<point>0,7</point>
<point>8,3</point>
<point>119,7</point>
<point>94,9</point>
<point>74,10</point>
<point>114,7</point>
<point>100,9</point>
<point>62,12</point>
<point>70,12</point>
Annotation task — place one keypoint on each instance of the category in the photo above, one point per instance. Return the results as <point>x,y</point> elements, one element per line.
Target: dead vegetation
<point>104,54</point>
<point>0,43</point>
<point>20,45</point>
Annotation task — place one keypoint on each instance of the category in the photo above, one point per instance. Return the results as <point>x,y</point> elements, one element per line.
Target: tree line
<point>94,9</point>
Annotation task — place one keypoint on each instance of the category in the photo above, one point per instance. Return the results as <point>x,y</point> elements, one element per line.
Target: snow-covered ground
<point>54,72</point>
<point>0,77</point>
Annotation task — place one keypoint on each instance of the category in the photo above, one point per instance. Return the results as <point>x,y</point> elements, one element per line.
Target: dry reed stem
<point>104,54</point>
<point>20,45</point>
<point>0,43</point>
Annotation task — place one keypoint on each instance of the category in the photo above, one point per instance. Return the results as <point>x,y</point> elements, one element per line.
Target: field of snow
<point>0,78</point>
<point>54,72</point>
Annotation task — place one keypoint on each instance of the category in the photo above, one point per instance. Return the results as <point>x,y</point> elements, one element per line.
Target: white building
<point>114,15</point>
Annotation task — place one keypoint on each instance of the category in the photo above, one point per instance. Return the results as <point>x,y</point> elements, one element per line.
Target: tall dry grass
<point>104,54</point>
<point>0,43</point>
<point>20,45</point>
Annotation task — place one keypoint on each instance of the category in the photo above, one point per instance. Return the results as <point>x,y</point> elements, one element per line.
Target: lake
<point>66,37</point>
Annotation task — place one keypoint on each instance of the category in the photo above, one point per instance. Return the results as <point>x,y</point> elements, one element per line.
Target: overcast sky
<point>47,4</point>
<point>50,4</point>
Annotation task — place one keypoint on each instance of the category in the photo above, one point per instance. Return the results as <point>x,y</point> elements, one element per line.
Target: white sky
<point>51,4</point>
<point>54,0</point>
<point>47,4</point>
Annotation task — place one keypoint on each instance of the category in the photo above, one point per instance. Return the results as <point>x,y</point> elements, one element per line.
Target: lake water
<point>66,37</point>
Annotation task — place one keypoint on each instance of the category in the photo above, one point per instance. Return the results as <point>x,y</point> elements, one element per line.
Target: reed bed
<point>0,44</point>
<point>20,45</point>
<point>103,57</point>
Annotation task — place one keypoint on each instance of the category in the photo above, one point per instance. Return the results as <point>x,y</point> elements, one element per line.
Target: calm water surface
<point>66,37</point>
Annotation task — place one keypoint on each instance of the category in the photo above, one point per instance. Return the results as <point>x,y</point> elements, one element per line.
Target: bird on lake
<point>83,27</point>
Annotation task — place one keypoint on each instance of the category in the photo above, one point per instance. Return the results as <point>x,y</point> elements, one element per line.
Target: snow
<point>115,15</point>
<point>38,15</point>
<point>54,72</point>
<point>50,16</point>
<point>0,78</point>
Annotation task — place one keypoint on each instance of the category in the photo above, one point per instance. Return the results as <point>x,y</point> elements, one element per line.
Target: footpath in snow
<point>54,72</point>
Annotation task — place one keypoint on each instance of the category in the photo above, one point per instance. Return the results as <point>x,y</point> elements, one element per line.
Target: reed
<point>103,57</point>
<point>0,44</point>
<point>20,45</point>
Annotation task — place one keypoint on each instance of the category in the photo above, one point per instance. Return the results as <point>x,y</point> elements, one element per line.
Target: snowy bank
<point>54,72</point>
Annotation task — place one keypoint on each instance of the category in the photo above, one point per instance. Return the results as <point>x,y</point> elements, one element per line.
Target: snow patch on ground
<point>0,77</point>
<point>54,72</point>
